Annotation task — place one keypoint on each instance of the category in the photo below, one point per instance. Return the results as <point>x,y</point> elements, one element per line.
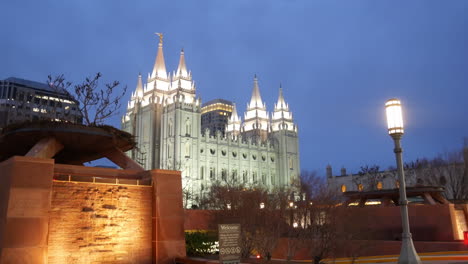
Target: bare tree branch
<point>96,104</point>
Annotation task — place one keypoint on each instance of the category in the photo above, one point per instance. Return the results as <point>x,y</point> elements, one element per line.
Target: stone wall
<point>100,223</point>
<point>25,190</point>
<point>427,222</point>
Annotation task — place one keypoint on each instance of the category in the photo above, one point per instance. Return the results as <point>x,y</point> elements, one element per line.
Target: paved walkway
<point>459,257</point>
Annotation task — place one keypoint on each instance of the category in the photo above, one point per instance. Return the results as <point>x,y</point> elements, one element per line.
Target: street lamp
<point>408,254</point>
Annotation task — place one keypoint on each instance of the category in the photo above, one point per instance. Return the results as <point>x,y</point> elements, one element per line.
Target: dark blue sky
<point>338,62</point>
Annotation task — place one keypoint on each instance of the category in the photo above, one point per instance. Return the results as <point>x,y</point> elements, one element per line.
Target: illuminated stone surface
<point>54,221</point>
<point>100,222</point>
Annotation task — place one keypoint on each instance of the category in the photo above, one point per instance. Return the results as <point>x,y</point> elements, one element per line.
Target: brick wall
<point>100,223</point>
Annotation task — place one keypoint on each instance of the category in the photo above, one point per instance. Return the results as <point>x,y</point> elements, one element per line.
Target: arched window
<point>343,188</point>
<point>273,179</point>
<point>212,173</point>
<point>263,178</point>
<point>442,180</point>
<point>187,149</point>
<point>379,185</point>
<point>188,128</point>
<point>202,172</point>
<point>234,175</point>
<point>170,128</point>
<point>169,151</point>
<point>360,187</point>
<point>291,163</point>
<point>254,177</point>
<point>397,184</point>
<point>244,176</point>
<point>223,174</point>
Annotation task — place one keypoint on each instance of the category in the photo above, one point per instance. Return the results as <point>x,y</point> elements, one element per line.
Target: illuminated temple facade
<point>164,115</point>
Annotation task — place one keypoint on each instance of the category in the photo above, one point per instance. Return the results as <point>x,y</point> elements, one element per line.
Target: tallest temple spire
<point>256,116</point>
<point>159,69</point>
<point>256,99</point>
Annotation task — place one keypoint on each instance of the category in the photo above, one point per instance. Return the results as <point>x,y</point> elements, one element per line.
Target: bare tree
<point>271,222</point>
<point>318,210</point>
<point>310,218</point>
<point>96,103</point>
<point>368,177</point>
<point>446,170</point>
<point>261,214</point>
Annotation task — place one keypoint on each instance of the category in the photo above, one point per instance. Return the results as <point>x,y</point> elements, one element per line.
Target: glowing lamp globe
<point>394,117</point>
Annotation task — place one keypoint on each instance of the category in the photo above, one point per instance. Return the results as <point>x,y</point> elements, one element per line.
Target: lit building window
<point>343,188</point>
<point>379,185</point>
<point>360,187</point>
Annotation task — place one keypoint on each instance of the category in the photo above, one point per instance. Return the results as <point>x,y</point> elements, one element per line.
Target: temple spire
<point>139,87</point>
<point>256,118</point>
<point>182,68</point>
<point>256,100</point>
<point>281,118</point>
<point>281,104</point>
<point>234,115</point>
<point>234,123</point>
<point>159,69</point>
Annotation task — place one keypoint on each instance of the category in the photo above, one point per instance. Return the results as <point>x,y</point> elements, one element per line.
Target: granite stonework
<point>168,215</point>
<point>46,219</point>
<point>100,223</point>
<point>26,185</point>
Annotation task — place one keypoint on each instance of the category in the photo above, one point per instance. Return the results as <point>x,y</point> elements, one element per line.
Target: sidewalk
<point>448,257</point>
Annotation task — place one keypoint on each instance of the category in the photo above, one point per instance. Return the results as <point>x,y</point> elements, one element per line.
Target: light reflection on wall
<point>100,223</point>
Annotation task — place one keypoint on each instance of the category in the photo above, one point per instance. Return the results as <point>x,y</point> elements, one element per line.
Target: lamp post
<point>408,254</point>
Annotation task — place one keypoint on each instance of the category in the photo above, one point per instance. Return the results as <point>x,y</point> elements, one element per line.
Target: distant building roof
<point>33,84</point>
<point>217,101</point>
